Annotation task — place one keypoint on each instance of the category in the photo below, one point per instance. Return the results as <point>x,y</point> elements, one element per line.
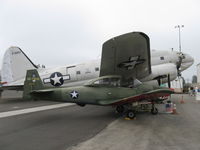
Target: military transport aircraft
<point>165,67</point>
<point>124,59</point>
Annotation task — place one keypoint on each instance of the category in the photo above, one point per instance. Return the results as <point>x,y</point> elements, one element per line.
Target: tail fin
<point>15,64</point>
<point>32,83</point>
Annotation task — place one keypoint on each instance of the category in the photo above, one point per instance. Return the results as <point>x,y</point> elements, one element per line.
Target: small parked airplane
<point>103,91</point>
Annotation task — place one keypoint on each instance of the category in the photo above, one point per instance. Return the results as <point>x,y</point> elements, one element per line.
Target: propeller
<point>181,57</point>
<point>178,64</point>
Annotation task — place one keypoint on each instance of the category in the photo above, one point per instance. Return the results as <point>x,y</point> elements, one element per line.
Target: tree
<point>194,79</point>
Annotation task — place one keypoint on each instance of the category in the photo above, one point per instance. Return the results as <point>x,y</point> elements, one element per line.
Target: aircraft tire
<point>154,111</point>
<point>80,104</point>
<point>120,109</point>
<point>131,114</point>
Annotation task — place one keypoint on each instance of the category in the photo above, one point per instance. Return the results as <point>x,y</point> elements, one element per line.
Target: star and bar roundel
<point>131,63</point>
<point>56,79</point>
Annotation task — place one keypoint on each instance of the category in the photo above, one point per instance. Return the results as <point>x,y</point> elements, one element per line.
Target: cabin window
<point>78,72</point>
<point>97,69</point>
<point>162,58</point>
<point>87,71</point>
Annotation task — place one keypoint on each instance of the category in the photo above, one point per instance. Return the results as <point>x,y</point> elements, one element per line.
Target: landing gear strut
<point>126,110</point>
<point>120,109</point>
<point>154,110</point>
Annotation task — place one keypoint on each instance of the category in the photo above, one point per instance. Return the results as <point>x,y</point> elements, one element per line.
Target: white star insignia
<point>74,94</point>
<point>56,79</point>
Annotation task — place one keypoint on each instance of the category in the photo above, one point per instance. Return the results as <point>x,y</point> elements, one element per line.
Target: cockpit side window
<point>108,82</point>
<point>97,69</point>
<point>162,58</point>
<point>136,82</point>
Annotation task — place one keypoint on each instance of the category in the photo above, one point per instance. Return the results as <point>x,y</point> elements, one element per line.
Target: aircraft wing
<point>127,55</point>
<point>13,87</point>
<point>146,96</point>
<point>42,91</point>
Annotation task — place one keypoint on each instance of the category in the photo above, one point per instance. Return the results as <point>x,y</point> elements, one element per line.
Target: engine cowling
<point>162,72</point>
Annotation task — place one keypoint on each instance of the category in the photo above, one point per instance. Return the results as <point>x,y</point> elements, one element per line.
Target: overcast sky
<point>60,32</point>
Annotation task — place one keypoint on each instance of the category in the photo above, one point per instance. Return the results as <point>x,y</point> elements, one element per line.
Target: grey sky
<point>60,32</point>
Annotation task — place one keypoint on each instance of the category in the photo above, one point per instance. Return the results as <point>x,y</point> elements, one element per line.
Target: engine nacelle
<point>161,71</point>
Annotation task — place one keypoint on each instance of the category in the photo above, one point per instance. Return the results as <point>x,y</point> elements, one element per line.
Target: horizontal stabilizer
<point>42,91</point>
<point>32,83</point>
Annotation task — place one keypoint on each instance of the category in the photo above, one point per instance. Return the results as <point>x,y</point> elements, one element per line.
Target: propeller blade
<point>159,81</point>
<point>180,81</point>
<point>178,64</point>
<point>168,81</point>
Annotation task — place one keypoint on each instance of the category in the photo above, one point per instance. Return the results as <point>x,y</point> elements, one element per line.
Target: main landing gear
<point>154,110</point>
<point>129,110</point>
<point>120,109</point>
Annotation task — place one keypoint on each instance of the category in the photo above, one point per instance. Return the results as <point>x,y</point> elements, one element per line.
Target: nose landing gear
<point>154,110</point>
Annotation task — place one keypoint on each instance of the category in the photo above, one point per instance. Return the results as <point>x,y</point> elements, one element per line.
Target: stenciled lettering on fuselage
<point>133,61</point>
<point>56,79</point>
<point>74,94</point>
<point>17,52</point>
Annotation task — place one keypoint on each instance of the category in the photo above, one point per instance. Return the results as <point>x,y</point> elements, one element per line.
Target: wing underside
<point>127,55</point>
<point>146,96</point>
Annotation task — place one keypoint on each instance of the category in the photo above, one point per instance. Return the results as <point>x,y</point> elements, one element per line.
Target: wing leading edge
<point>148,95</point>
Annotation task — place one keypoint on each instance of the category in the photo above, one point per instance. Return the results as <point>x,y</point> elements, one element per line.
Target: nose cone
<point>186,62</point>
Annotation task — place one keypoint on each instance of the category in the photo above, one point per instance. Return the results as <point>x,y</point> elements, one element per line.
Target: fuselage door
<point>71,70</point>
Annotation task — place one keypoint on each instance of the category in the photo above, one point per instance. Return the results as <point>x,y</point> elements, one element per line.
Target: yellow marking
<point>31,84</point>
<point>35,79</point>
<point>29,78</point>
<point>127,118</point>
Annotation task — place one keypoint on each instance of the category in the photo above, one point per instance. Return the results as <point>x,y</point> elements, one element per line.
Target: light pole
<point>179,34</point>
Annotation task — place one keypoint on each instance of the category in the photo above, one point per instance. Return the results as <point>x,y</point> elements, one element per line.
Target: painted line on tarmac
<point>31,110</point>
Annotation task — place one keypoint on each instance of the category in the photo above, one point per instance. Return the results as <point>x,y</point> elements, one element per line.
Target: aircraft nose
<point>186,62</point>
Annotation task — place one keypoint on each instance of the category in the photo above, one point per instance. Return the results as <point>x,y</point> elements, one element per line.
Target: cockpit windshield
<point>136,82</point>
<point>110,81</point>
<point>113,81</point>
